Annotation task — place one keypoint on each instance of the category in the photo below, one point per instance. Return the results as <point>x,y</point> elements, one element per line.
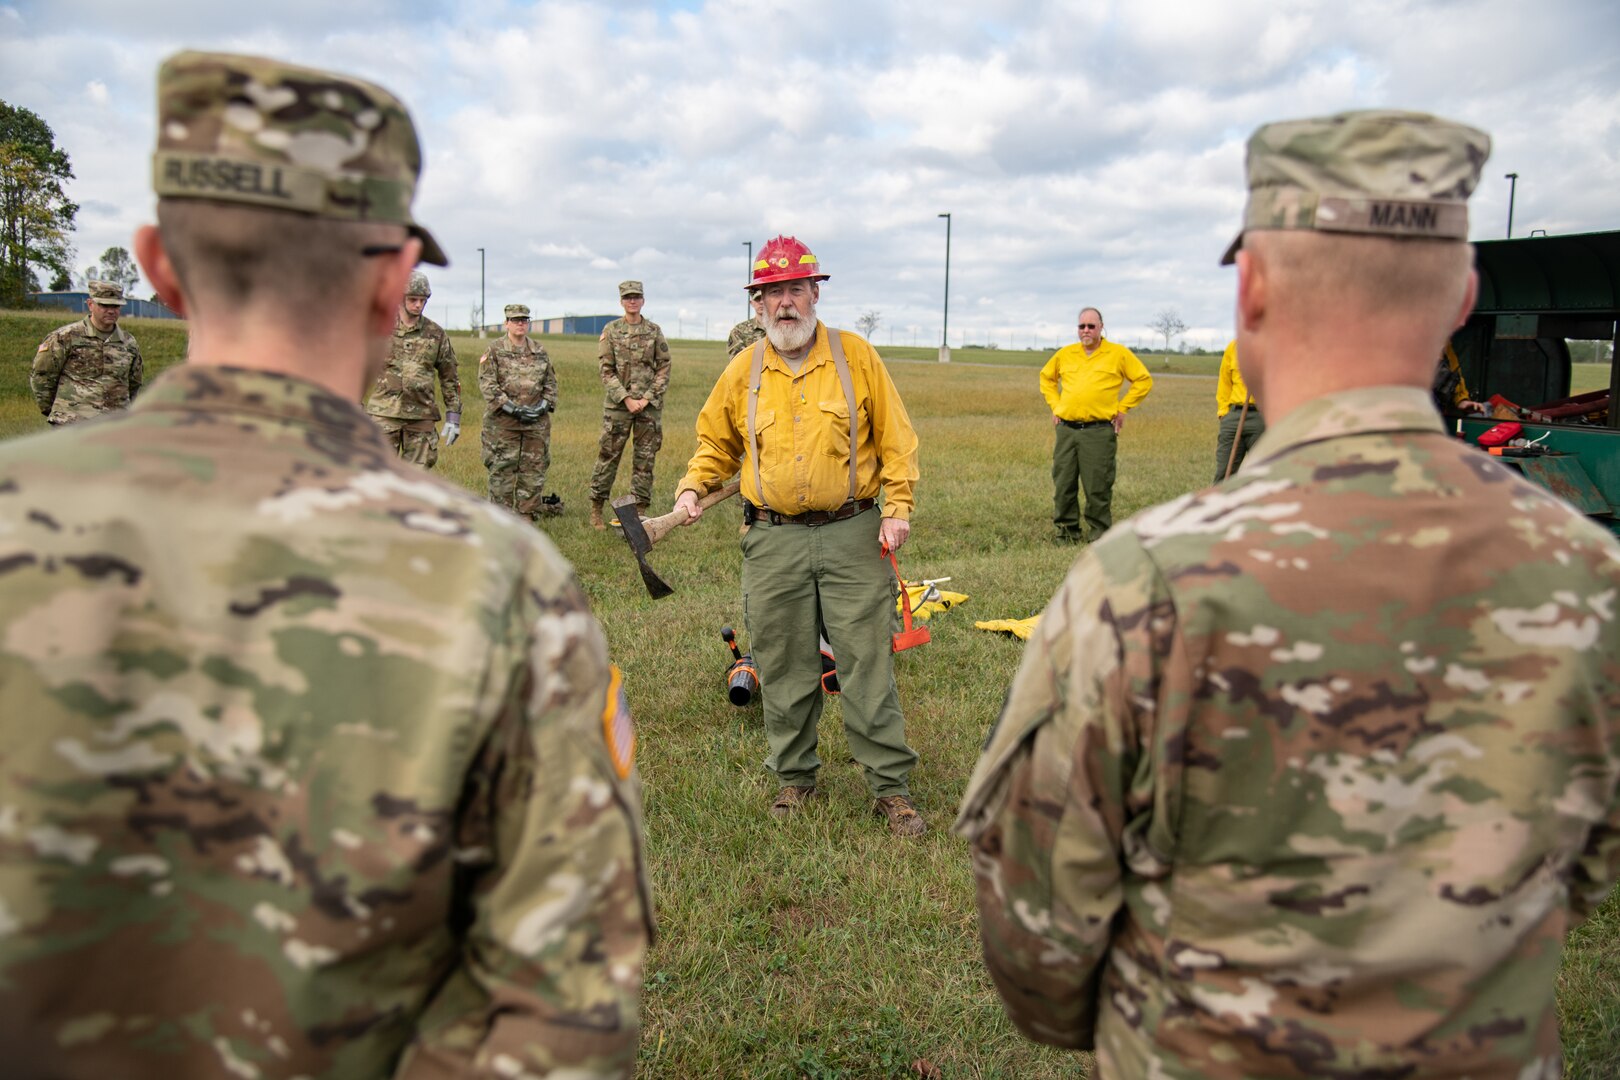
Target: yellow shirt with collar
<point>802,424</point>
<point>1229,387</point>
<point>1080,387</point>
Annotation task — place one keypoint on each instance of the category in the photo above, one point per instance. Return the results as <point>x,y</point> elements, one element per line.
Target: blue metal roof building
<point>74,300</point>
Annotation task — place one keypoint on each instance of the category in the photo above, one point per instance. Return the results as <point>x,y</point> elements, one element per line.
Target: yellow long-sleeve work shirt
<point>1229,387</point>
<point>802,423</point>
<point>1081,387</point>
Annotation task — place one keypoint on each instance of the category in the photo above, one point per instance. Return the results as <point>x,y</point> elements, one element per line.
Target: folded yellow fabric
<point>1018,628</point>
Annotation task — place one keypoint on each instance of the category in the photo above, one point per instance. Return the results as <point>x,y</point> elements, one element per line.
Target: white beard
<point>790,335</point>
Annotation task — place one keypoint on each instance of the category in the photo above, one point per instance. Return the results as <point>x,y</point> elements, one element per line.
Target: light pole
<point>1513,187</point>
<point>748,277</point>
<point>483,316</point>
<point>945,335</point>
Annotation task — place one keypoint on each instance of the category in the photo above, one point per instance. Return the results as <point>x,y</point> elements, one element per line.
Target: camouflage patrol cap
<point>107,293</point>
<point>245,129</point>
<point>517,311</point>
<point>630,288</point>
<point>1378,172</point>
<point>418,285</point>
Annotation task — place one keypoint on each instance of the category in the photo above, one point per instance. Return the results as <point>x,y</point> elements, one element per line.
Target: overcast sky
<point>1090,153</point>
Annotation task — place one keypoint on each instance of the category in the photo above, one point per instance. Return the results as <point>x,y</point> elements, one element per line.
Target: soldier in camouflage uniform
<point>1309,774</point>
<point>88,367</point>
<point>748,331</point>
<point>402,401</point>
<point>635,371</point>
<point>520,394</point>
<point>311,764</point>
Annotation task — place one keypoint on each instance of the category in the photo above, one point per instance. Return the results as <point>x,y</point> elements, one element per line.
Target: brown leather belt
<point>754,513</point>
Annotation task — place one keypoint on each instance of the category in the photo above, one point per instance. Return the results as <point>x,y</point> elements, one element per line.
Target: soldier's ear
<point>393,273</point>
<point>1252,289</point>
<point>155,264</point>
<point>1470,294</point>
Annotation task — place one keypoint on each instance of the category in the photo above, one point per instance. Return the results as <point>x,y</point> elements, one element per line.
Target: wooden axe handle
<point>659,527</point>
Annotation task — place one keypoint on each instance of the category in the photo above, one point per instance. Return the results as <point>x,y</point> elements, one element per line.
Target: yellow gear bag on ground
<point>1018,628</point>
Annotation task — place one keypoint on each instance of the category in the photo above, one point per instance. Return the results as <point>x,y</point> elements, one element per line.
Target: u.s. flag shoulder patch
<point>618,730</point>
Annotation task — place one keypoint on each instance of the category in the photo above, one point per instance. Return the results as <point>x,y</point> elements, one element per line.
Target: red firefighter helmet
<point>785,259</point>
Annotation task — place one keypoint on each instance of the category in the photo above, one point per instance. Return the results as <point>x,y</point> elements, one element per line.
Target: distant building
<point>574,324</point>
<point>74,300</point>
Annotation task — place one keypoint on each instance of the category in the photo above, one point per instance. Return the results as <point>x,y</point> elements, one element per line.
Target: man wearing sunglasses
<point>1081,384</point>
<point>1310,773</point>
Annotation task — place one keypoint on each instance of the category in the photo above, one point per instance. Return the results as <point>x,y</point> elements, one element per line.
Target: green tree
<point>36,216</point>
<point>118,267</point>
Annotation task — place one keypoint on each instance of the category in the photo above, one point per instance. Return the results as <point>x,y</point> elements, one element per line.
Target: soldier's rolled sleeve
<point>661,362</point>
<point>561,919</point>
<point>449,378</point>
<point>137,372</point>
<point>489,384</point>
<point>1045,817</point>
<point>616,393</point>
<point>46,372</point>
<point>548,383</point>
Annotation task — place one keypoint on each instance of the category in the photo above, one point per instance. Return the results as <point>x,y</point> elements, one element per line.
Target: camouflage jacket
<point>1309,774</point>
<point>635,363</point>
<point>311,764</point>
<point>78,374</point>
<point>521,374</point>
<point>743,335</point>
<point>416,357</point>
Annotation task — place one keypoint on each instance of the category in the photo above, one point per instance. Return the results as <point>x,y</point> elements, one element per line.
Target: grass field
<point>825,948</point>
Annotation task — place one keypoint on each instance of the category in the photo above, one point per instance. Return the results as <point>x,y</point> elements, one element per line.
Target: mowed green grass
<point>821,947</point>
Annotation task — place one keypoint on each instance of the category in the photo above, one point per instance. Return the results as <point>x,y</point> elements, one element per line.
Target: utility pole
<point>483,312</point>
<point>945,334</point>
<point>748,279</point>
<point>1513,187</point>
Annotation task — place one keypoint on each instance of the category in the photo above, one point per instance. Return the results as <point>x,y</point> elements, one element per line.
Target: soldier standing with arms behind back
<point>519,386</point>
<point>635,372</point>
<point>311,764</point>
<point>89,367</point>
<point>402,400</point>
<point>748,331</point>
<point>1311,773</point>
<point>1081,384</point>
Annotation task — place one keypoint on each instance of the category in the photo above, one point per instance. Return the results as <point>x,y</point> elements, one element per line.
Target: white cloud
<point>1089,153</point>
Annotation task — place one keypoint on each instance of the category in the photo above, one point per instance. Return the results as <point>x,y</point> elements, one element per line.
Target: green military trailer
<point>1536,295</point>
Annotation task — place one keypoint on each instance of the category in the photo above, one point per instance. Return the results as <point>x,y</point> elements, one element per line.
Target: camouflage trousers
<point>618,425</point>
<point>413,440</point>
<point>517,459</point>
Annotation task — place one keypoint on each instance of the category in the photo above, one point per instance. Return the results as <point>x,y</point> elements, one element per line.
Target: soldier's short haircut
<point>239,255</point>
<point>1318,272</point>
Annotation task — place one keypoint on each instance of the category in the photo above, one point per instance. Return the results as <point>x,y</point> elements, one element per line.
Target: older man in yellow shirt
<point>1230,396</point>
<point>1081,385</point>
<point>815,425</point>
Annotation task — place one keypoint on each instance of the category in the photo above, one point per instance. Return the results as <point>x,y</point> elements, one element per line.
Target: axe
<point>642,533</point>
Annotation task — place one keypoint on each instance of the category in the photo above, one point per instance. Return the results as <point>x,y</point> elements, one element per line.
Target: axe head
<point>635,534</point>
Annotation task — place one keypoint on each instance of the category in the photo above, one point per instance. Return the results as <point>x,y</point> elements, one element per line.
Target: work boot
<point>903,817</point>
<point>596,514</point>
<point>792,799</point>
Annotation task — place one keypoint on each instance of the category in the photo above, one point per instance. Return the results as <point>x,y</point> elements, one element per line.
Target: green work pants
<point>797,579</point>
<point>1083,458</point>
<point>1254,426</point>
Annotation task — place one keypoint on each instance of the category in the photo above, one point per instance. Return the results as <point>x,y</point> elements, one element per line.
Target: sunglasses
<point>1090,326</point>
